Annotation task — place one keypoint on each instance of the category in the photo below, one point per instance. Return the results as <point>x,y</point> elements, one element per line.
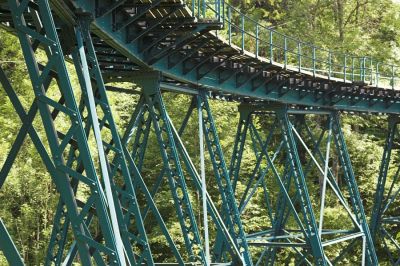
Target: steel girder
<point>293,200</point>
<point>384,219</point>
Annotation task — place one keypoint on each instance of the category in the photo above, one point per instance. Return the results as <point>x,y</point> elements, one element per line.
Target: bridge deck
<point>165,36</point>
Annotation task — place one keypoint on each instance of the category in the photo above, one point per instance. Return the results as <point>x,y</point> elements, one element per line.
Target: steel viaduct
<point>208,50</point>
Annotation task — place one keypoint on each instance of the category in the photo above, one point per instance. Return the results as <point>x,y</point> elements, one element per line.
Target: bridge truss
<point>200,49</point>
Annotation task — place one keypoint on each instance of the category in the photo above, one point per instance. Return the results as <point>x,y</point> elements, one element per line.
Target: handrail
<point>264,42</point>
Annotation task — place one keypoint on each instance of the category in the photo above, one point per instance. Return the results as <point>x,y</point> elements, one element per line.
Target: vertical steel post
<point>298,177</point>
<point>204,8</point>
<point>323,192</point>
<point>392,78</point>
<point>229,25</point>
<point>238,147</point>
<point>371,70</point>
<point>285,51</point>
<point>150,82</point>
<point>330,65</point>
<point>203,184</point>
<point>198,8</point>
<point>217,218</point>
<point>349,178</point>
<point>299,55</point>
<point>127,197</point>
<point>377,75</point>
<point>100,149</point>
<point>345,69</point>
<point>314,60</point>
<point>242,31</point>
<point>257,40</point>
<point>230,209</point>
<point>141,185</point>
<point>363,69</point>
<point>271,47</point>
<point>382,177</point>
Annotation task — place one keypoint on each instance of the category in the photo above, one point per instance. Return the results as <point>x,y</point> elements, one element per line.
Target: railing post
<point>352,69</point>
<point>345,68</point>
<point>392,77</point>
<point>299,54</point>
<point>217,11</point>
<point>330,64</point>
<point>285,51</point>
<point>371,69</point>
<point>204,9</point>
<point>223,13</point>
<point>271,50</point>
<point>230,25</point>
<point>363,69</point>
<point>198,8</point>
<point>377,74</point>
<point>313,60</point>
<point>257,40</point>
<point>242,22</point>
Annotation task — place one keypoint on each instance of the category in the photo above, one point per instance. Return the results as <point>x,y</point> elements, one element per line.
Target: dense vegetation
<point>361,27</point>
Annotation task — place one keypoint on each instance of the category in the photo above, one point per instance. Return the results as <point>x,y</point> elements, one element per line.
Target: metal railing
<point>266,43</point>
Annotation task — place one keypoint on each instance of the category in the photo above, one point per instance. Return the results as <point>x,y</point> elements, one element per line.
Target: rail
<point>266,43</point>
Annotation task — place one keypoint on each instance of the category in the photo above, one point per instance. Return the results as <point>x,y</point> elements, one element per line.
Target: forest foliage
<point>28,198</point>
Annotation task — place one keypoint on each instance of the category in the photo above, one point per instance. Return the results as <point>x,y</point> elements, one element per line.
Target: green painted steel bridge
<point>207,50</point>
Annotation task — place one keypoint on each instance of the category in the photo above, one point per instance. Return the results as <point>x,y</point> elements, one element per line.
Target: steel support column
<point>293,177</point>
<point>352,187</point>
<point>238,147</point>
<point>45,34</point>
<point>310,225</point>
<point>154,104</point>
<point>230,209</point>
<point>384,218</point>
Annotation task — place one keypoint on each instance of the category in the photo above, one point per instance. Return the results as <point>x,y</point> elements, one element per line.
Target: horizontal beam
<point>278,244</point>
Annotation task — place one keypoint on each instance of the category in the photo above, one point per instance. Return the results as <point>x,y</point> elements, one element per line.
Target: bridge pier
<point>65,137</point>
<point>230,231</point>
<point>281,165</point>
<point>384,221</point>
